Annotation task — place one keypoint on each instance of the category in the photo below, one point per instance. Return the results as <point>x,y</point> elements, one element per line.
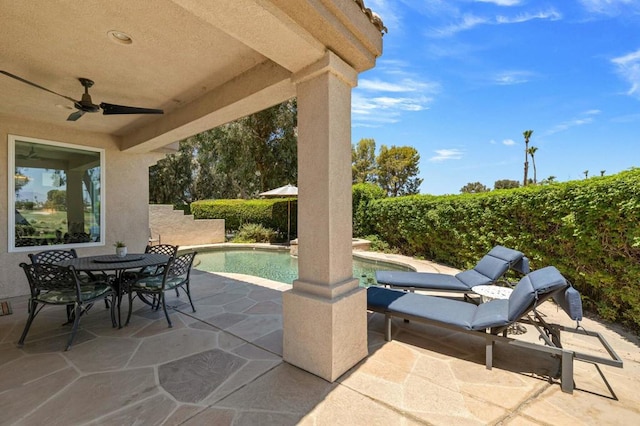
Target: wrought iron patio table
<point>118,265</point>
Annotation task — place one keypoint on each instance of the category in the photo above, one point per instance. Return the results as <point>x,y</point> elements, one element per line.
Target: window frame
<point>11,239</point>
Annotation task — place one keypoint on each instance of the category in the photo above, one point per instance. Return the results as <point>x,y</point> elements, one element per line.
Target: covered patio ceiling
<point>204,62</point>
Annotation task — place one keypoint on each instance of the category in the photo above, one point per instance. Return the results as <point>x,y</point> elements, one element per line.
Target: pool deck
<point>223,365</point>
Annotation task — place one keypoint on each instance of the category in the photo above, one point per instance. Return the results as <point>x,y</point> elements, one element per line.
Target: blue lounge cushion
<point>491,314</point>
<point>473,278</point>
<point>426,280</point>
<point>505,253</point>
<point>439,309</point>
<point>492,267</point>
<point>488,270</point>
<point>534,288</point>
<point>570,302</point>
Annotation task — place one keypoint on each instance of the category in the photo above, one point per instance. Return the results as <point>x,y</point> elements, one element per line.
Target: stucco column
<point>325,330</point>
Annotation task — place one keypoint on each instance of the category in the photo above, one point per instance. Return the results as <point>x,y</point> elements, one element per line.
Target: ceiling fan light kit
<point>85,104</point>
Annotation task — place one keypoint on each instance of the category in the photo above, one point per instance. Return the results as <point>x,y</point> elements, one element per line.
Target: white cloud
<point>508,78</point>
<point>446,154</point>
<point>508,142</point>
<point>501,2</point>
<point>403,85</point>
<point>393,92</point>
<point>551,15</point>
<point>469,21</point>
<point>580,121</point>
<point>628,66</point>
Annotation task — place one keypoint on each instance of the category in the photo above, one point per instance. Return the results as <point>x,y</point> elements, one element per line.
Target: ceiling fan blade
<point>111,109</point>
<point>75,115</point>
<point>8,74</point>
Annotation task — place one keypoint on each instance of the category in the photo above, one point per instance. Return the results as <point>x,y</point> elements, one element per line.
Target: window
<point>56,195</point>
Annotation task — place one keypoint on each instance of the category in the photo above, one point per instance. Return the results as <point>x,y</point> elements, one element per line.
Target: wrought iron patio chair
<point>52,256</point>
<point>57,255</point>
<point>176,275</point>
<point>132,276</point>
<point>52,284</point>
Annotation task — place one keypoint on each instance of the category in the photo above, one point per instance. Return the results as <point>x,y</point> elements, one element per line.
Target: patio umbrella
<point>286,191</point>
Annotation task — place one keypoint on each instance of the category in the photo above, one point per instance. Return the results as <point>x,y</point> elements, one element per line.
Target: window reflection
<point>57,194</point>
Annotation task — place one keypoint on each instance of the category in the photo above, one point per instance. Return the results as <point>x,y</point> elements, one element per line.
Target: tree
<point>586,174</point>
<point>20,180</point>
<point>235,160</point>
<point>363,161</point>
<point>474,188</point>
<point>527,135</point>
<point>397,170</point>
<point>171,179</point>
<point>56,199</point>
<point>602,172</point>
<point>271,140</point>
<point>506,184</point>
<point>548,181</point>
<point>532,152</point>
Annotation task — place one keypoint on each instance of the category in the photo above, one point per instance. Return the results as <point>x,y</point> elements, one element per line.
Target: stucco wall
<point>176,228</point>
<point>126,190</point>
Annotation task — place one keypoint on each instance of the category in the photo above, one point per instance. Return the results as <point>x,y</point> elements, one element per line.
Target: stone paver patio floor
<point>223,365</point>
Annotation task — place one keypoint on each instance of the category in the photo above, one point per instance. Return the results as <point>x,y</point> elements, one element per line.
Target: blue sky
<point>461,80</point>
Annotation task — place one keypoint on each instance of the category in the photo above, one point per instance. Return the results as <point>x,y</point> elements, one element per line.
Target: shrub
<point>271,213</point>
<point>378,244</point>
<point>363,194</point>
<point>254,233</point>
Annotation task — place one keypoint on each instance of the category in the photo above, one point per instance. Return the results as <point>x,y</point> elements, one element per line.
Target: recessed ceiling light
<point>119,37</point>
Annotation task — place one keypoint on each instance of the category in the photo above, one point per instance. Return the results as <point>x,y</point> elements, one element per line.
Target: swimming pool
<point>279,265</point>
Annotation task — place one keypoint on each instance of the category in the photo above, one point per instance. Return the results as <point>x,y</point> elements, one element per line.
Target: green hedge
<point>362,195</point>
<point>271,213</point>
<point>589,230</point>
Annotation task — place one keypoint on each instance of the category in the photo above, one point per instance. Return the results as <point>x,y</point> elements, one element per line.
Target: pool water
<point>279,265</point>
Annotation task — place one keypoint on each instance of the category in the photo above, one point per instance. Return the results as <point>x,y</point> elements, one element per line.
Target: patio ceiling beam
<point>264,85</point>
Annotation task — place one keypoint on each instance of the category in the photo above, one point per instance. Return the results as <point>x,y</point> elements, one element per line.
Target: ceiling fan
<point>85,104</point>
<point>32,155</point>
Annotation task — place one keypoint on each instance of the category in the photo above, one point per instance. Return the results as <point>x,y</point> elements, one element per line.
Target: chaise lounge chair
<point>489,270</point>
<point>492,318</point>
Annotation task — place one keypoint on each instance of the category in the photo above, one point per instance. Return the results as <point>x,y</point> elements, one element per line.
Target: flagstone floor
<point>222,365</point>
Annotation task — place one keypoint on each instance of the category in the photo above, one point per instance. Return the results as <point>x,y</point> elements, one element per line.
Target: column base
<point>325,337</point>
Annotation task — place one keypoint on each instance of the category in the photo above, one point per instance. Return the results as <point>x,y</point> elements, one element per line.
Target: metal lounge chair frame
<point>491,319</point>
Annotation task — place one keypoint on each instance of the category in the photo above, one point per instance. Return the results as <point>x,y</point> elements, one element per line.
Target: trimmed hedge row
<point>271,213</point>
<point>362,195</point>
<point>588,229</point>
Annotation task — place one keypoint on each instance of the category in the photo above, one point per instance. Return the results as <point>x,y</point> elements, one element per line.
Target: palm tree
<point>586,174</point>
<point>532,152</point>
<point>602,172</point>
<point>527,135</point>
